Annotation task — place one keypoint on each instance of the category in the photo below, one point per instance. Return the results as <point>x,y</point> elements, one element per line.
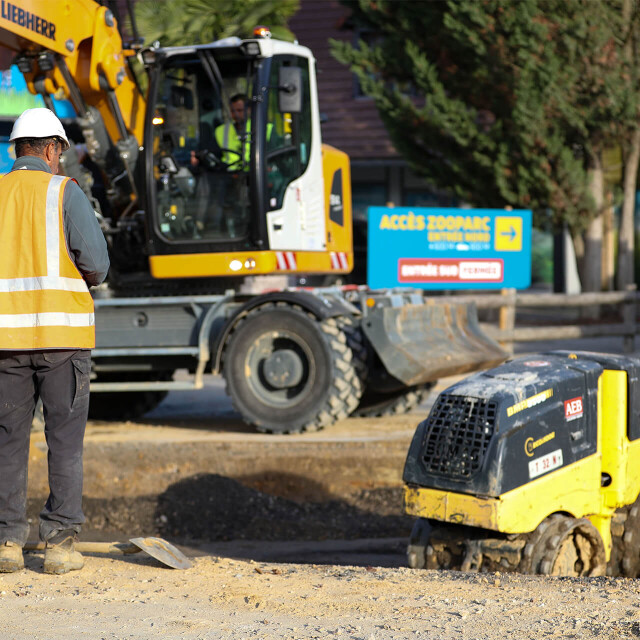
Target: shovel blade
<point>163,551</point>
<point>421,343</point>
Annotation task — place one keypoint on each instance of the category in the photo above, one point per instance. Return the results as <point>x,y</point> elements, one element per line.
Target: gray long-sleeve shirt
<point>85,240</point>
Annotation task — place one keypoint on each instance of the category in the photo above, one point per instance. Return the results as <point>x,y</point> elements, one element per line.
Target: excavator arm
<point>72,49</point>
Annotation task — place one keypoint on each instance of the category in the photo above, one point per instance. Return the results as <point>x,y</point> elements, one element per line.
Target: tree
<point>506,103</point>
<point>630,143</point>
<point>180,22</point>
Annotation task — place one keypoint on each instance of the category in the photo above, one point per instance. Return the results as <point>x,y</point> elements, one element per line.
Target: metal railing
<point>508,329</point>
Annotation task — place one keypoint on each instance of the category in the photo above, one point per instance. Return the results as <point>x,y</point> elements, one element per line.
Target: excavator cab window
<point>181,97</point>
<point>288,134</point>
<point>202,150</point>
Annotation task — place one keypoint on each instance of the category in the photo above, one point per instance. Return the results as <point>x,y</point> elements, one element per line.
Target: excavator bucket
<point>421,343</point>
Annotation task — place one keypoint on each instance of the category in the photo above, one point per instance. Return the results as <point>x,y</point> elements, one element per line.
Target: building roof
<point>353,124</point>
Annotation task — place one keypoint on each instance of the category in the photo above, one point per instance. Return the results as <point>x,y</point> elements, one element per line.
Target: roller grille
<point>458,433</point>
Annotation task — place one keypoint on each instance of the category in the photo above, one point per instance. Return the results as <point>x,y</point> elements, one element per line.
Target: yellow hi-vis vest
<point>227,138</point>
<point>44,301</point>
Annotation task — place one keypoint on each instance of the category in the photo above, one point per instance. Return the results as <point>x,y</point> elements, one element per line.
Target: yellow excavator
<point>196,198</point>
<point>180,206</point>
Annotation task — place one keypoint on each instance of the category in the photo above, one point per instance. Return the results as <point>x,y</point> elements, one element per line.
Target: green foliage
<point>184,22</point>
<point>542,258</point>
<point>502,102</point>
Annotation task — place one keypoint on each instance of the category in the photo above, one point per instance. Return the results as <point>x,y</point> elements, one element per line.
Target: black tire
<point>418,544</point>
<point>565,546</point>
<point>618,547</point>
<point>373,405</point>
<point>287,372</point>
<point>359,358</point>
<point>126,405</point>
<point>121,407</point>
<point>631,542</point>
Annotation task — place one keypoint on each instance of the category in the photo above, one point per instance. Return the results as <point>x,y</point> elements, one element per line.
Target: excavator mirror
<point>290,89</point>
<point>181,97</point>
<point>167,165</point>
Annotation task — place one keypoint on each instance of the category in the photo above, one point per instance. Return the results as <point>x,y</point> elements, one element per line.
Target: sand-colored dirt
<point>291,537</point>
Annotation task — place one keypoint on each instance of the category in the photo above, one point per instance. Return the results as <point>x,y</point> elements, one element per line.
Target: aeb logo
<point>573,408</point>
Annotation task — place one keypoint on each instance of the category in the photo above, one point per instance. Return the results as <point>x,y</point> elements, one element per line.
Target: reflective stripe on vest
<point>40,310</point>
<point>225,135</point>
<point>45,319</point>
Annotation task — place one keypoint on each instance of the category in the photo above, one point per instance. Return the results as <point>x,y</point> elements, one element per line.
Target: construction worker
<point>222,197</point>
<point>216,190</point>
<point>53,249</point>
<point>233,137</point>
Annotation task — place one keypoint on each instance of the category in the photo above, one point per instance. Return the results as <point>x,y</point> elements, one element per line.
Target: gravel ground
<point>210,508</point>
<point>297,538</point>
<point>222,598</point>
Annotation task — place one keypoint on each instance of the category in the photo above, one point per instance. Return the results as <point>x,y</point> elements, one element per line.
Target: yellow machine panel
<point>574,489</point>
<point>337,188</point>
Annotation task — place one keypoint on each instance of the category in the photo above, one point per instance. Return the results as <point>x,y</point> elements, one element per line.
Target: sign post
<point>449,248</point>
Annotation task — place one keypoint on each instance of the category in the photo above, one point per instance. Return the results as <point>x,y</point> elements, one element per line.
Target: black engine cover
<point>500,429</point>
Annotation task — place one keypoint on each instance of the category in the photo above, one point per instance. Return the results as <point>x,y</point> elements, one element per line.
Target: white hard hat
<point>38,123</point>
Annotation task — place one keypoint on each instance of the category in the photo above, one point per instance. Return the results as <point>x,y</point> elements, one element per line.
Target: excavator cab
<point>231,143</point>
<point>214,170</point>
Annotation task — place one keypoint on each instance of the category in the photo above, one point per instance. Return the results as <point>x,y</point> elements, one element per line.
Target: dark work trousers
<point>61,379</point>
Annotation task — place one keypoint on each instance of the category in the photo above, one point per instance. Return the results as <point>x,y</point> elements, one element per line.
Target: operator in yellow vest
<point>52,250</point>
<point>234,138</point>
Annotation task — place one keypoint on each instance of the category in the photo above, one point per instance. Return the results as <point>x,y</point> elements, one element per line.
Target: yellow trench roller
<point>542,454</point>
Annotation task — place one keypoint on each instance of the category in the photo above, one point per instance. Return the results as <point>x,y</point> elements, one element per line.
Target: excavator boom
<point>73,49</point>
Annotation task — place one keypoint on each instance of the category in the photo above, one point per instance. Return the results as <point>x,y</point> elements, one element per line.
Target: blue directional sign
<point>438,248</point>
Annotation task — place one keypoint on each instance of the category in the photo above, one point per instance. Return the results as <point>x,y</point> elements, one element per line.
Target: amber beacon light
<point>261,32</point>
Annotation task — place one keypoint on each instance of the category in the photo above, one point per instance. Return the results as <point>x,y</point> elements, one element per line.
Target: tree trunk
<point>578,248</point>
<point>565,266</point>
<point>626,238</point>
<point>608,253</point>
<point>592,263</point>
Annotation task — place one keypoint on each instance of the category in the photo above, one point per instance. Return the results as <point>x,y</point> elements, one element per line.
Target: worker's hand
<point>194,159</point>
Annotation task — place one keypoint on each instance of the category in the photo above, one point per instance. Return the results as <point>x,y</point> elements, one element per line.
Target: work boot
<point>60,555</point>
<point>11,558</point>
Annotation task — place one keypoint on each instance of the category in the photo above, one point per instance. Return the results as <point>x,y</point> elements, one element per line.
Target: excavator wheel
<point>360,358</point>
<point>358,346</point>
<point>288,372</point>
<point>120,407</point>
<point>127,405</point>
<point>377,405</point>
<point>359,353</point>
<point>631,542</point>
<point>564,546</point>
